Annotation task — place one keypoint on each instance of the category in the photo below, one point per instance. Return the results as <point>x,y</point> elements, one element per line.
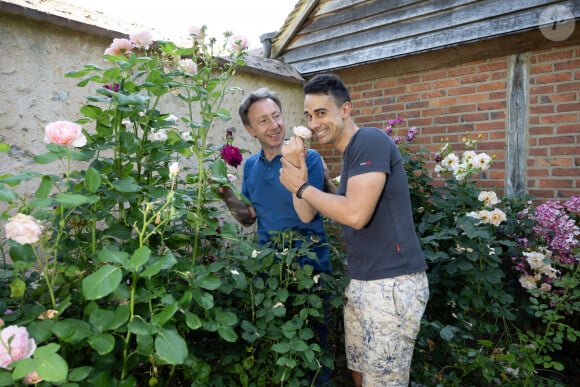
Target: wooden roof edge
<point>296,18</point>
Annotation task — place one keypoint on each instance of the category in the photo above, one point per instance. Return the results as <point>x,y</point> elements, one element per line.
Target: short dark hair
<point>328,84</point>
<point>258,95</point>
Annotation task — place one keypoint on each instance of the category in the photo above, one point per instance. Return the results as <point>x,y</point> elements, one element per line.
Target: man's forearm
<point>239,210</point>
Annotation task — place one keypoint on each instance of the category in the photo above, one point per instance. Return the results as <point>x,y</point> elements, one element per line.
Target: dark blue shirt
<point>272,203</point>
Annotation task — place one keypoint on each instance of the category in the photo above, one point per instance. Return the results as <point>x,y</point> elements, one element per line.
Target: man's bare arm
<point>242,212</point>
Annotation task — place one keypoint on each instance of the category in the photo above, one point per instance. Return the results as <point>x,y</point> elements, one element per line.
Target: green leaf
<point>102,343</point>
<point>71,330</point>
<point>208,281</point>
<point>192,321</point>
<point>226,318</point>
<point>139,258</point>
<point>7,195</point>
<point>46,158</point>
<point>171,347</point>
<point>165,315</point>
<point>102,282</point>
<point>41,330</point>
<point>4,147</point>
<point>448,332</point>
<point>464,265</point>
<point>282,347</point>
<point>126,185</point>
<point>52,368</point>
<point>91,111</point>
<point>161,263</point>
<point>78,374</point>
<point>92,180</point>
<point>72,199</point>
<point>228,334</point>
<point>140,327</point>
<point>44,188</point>
<point>102,319</point>
<point>114,255</point>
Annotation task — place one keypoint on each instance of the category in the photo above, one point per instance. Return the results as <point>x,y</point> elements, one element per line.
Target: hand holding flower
<point>292,149</point>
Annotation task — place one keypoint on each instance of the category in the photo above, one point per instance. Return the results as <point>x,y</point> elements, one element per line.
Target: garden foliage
<point>123,270</point>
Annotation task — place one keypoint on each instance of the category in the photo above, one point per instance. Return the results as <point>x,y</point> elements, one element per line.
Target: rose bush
<point>123,269</point>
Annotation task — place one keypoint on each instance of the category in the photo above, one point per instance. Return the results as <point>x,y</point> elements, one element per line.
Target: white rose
<point>23,229</point>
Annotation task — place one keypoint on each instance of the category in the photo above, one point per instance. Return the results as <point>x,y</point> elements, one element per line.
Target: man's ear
<point>345,109</point>
<point>250,130</point>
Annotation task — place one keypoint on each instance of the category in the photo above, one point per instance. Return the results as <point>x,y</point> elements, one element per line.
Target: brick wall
<point>471,100</point>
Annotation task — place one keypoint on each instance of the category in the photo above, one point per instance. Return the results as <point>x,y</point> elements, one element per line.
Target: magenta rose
<point>231,155</point>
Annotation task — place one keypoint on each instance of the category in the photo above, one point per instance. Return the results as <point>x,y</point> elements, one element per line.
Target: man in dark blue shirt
<point>273,206</point>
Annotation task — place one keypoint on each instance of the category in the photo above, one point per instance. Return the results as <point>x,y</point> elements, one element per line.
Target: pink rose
<point>231,155</point>
<point>65,133</point>
<point>302,131</point>
<point>187,66</point>
<point>196,31</point>
<point>238,42</point>
<point>32,378</point>
<point>141,39</point>
<point>15,345</point>
<point>119,47</point>
<point>23,229</point>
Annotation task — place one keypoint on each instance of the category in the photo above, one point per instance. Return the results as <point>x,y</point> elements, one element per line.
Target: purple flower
<point>438,157</point>
<point>114,87</point>
<point>573,204</point>
<point>231,155</point>
<point>411,134</point>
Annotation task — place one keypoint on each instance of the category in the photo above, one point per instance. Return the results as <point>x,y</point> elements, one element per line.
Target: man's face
<point>266,123</point>
<point>324,117</point>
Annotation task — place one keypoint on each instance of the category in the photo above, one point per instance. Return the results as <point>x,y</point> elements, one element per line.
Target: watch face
<point>557,23</point>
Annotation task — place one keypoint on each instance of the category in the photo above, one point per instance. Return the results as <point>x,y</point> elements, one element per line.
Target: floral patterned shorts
<point>381,321</point>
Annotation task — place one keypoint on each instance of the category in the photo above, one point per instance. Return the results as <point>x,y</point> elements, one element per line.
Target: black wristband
<point>301,190</point>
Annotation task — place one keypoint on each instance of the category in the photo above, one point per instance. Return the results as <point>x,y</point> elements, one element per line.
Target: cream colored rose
<point>23,229</point>
<point>174,169</point>
<point>302,131</point>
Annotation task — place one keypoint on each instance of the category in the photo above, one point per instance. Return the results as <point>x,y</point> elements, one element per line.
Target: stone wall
<point>35,56</point>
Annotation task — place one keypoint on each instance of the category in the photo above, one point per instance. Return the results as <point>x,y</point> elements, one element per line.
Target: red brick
<point>559,118</point>
<point>434,75</point>
<point>554,183</point>
<point>543,68</point>
<point>551,78</point>
<point>568,65</point>
<point>462,108</point>
<point>472,98</point>
<point>562,97</point>
<point>568,107</point>
<point>443,101</point>
<point>570,86</point>
<point>464,90</point>
<point>475,78</point>
<point>408,80</point>
<point>489,86</point>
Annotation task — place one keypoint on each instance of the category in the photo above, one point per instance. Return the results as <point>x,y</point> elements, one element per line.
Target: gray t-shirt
<point>388,245</point>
